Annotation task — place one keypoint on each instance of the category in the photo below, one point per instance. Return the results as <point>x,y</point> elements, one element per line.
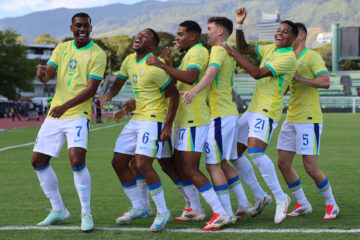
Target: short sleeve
<point>123,74</point>
<point>54,60</point>
<point>197,60</point>
<point>98,67</point>
<point>318,65</point>
<point>160,77</point>
<point>217,56</point>
<point>283,64</point>
<point>262,49</point>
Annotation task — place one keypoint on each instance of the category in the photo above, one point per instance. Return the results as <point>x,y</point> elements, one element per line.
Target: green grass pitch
<point>22,202</point>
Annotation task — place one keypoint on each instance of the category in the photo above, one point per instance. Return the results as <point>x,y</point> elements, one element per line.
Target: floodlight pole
<point>335,46</point>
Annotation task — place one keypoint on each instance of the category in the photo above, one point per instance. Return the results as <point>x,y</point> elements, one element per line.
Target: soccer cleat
<point>242,212</point>
<point>331,211</point>
<point>300,210</point>
<point>261,203</point>
<point>55,217</point>
<point>190,215</point>
<point>149,213</point>
<point>281,210</point>
<point>87,223</point>
<point>132,214</point>
<point>216,222</point>
<point>160,221</point>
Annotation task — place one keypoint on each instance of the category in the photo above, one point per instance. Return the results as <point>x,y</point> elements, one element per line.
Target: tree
<point>16,71</point>
<point>45,38</point>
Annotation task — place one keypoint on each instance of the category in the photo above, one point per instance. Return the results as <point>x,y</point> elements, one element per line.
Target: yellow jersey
<point>304,100</point>
<point>269,91</point>
<point>74,67</point>
<point>197,113</point>
<point>220,97</point>
<point>148,83</point>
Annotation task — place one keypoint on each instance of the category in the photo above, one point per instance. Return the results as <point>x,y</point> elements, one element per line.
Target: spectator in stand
<point>30,108</point>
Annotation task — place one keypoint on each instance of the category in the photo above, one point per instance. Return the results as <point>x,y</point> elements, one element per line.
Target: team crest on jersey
<point>134,78</point>
<point>73,64</point>
<point>142,72</point>
<point>267,61</point>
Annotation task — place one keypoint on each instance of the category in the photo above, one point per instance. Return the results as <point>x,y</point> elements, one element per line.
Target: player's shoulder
<point>97,49</point>
<point>313,54</point>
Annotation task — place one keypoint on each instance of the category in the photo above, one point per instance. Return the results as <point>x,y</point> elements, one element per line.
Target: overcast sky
<point>16,8</point>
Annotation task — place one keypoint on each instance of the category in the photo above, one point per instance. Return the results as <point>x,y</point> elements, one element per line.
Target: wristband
<point>239,27</point>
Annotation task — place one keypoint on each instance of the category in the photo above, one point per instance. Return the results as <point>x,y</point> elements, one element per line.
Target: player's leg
<point>287,147</point>
<point>312,168</point>
<point>235,186</point>
<point>124,151</point>
<point>245,168</point>
<point>261,129</point>
<point>48,144</point>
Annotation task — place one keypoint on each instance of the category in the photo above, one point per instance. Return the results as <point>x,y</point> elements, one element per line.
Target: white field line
<point>189,230</point>
<point>32,143</point>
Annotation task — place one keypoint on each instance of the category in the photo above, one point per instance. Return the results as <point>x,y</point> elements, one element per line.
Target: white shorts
<point>53,132</point>
<point>140,137</point>
<point>168,147</point>
<point>256,125</point>
<point>302,138</point>
<point>191,139</point>
<point>221,139</point>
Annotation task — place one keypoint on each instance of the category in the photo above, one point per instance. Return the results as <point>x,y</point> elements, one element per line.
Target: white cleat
<point>281,210</point>
<point>242,212</point>
<point>160,221</point>
<point>331,211</point>
<point>300,209</point>
<point>190,215</point>
<point>132,214</point>
<point>261,203</point>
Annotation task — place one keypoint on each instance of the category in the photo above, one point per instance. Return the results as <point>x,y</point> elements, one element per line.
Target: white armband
<point>239,27</point>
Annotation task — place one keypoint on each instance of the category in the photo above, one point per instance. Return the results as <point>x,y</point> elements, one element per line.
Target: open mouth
<point>137,43</point>
<point>82,36</point>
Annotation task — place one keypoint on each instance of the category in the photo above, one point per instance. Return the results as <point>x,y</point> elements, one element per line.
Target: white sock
<point>157,194</point>
<point>212,199</point>
<point>326,191</point>
<point>267,169</point>
<point>237,189</point>
<point>82,182</point>
<point>143,190</point>
<point>49,184</point>
<point>222,192</point>
<point>132,193</point>
<point>247,174</point>
<point>298,192</point>
<point>193,196</point>
<point>179,186</point>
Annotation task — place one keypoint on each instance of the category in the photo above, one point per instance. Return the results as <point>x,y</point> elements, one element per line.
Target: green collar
<point>225,42</point>
<point>302,53</point>
<point>284,50</point>
<point>83,48</point>
<point>198,44</point>
<point>143,59</point>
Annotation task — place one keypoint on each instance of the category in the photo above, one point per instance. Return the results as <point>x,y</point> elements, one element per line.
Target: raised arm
<point>189,76</point>
<point>241,44</point>
<point>45,72</point>
<point>88,92</point>
<point>250,68</point>
<point>206,80</point>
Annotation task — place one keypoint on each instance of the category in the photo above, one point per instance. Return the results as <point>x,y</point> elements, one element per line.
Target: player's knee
<point>312,172</point>
<point>166,166</point>
<point>39,160</point>
<point>284,166</point>
<point>77,162</point>
<point>212,168</point>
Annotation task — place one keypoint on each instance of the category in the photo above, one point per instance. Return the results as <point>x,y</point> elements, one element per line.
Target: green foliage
<point>325,52</point>
<point>45,38</point>
<point>16,71</point>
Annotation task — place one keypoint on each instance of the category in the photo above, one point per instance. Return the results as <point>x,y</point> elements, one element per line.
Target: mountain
<point>119,19</point>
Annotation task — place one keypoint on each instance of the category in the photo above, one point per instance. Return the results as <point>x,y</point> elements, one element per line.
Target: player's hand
<point>130,105</point>
<point>120,114</point>
<point>58,111</point>
<point>229,49</point>
<point>240,15</point>
<point>176,44</point>
<point>166,55</point>
<point>106,98</point>
<point>152,60</point>
<point>188,96</point>
<point>41,72</point>
<point>165,133</point>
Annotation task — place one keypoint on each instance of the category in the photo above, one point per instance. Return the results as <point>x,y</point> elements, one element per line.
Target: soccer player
<point>256,125</point>
<point>222,135</point>
<point>150,125</point>
<point>301,131</point>
<point>193,119</point>
<point>80,66</point>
